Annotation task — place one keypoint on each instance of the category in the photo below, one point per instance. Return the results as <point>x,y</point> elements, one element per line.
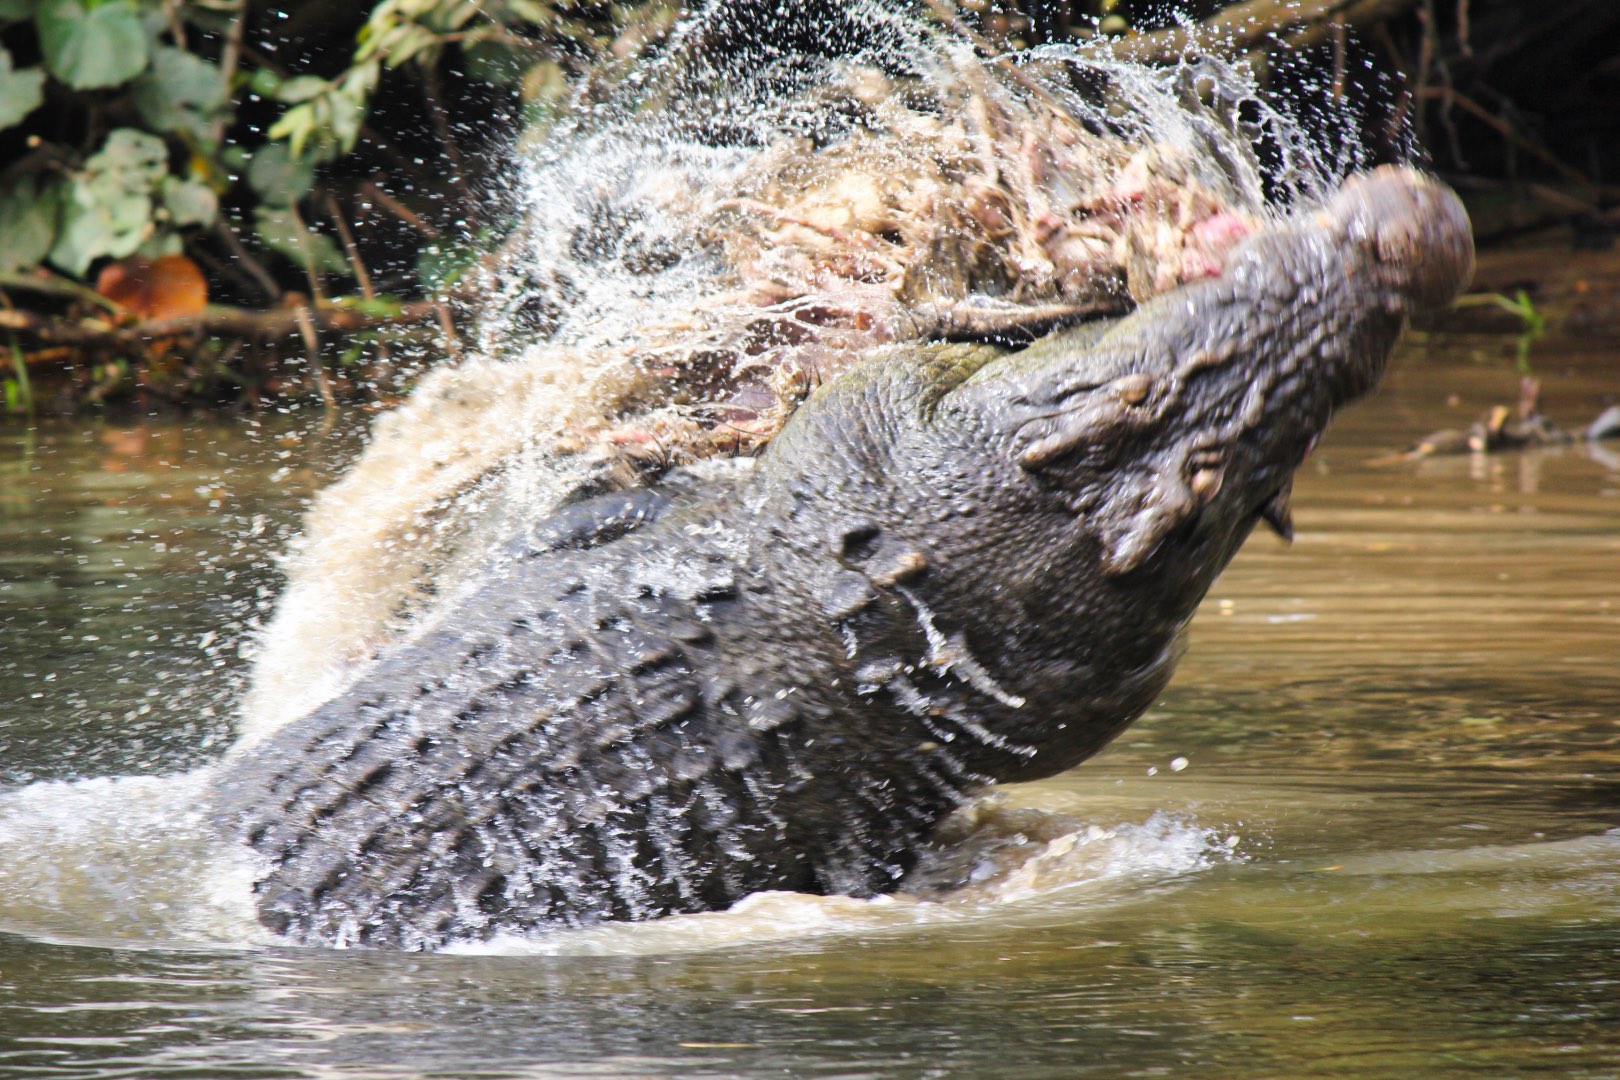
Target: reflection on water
<point>132,561</point>
<point>1370,831</point>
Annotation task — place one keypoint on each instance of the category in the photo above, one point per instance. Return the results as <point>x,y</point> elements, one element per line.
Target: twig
<point>245,258</point>
<point>43,281</point>
<point>434,98</point>
<point>987,48</point>
<point>400,210</point>
<point>316,293</point>
<point>1340,49</point>
<point>1245,24</point>
<point>349,247</point>
<point>1451,96</point>
<point>312,348</point>
<point>1387,40</point>
<point>215,321</point>
<point>177,29</point>
<point>447,327</point>
<point>219,267</point>
<point>230,57</point>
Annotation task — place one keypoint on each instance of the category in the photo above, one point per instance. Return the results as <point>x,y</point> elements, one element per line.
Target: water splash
<point>135,862</point>
<point>741,217</point>
<point>739,220</point>
<point>123,861</point>
<point>999,865</point>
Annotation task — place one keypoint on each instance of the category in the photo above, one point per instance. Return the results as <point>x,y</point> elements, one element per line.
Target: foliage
<point>148,127</point>
<point>124,188</point>
<point>91,45</point>
<point>512,43</point>
<point>17,390</point>
<point>1532,323</point>
<point>21,92</point>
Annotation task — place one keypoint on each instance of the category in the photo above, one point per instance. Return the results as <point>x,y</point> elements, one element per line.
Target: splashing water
<point>735,224</point>
<point>739,222</point>
<point>998,861</point>
<point>135,862</point>
<point>124,861</point>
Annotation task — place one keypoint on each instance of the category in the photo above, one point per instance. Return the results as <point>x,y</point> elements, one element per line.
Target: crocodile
<point>957,565</point>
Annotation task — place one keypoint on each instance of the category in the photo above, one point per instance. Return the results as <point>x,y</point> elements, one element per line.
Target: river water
<point>1373,829</point>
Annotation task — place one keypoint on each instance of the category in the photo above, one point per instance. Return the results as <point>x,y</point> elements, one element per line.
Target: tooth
<point>1278,512</point>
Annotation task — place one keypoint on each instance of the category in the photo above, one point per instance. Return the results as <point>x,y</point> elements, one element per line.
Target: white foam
<point>130,861</point>
<point>1075,868</point>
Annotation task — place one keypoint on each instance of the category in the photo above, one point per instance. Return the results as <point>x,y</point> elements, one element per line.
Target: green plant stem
<point>25,389</point>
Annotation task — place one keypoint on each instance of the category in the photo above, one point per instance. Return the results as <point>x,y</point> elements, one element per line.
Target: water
<point>1407,721</point>
<point>1371,830</point>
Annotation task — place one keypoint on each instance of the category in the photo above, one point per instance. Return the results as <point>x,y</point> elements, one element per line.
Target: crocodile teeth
<point>1278,512</point>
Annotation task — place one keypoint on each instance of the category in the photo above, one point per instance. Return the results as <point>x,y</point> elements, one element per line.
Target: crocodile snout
<point>1414,230</point>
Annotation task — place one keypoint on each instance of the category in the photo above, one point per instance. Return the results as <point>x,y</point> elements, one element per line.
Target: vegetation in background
<point>194,191</point>
<point>223,200</point>
<point>1533,324</point>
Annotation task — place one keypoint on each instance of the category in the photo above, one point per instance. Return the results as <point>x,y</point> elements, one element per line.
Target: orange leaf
<point>170,287</point>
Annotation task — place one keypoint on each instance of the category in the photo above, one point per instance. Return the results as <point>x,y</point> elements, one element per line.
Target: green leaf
<point>130,160</point>
<point>157,246</point>
<point>264,82</point>
<point>540,14</point>
<point>21,92</point>
<point>301,88</point>
<point>282,232</point>
<point>189,202</point>
<point>28,217</point>
<point>108,204</point>
<point>403,43</point>
<point>89,47</point>
<point>296,126</point>
<point>95,225</point>
<point>16,10</point>
<point>330,119</point>
<point>277,176</point>
<point>494,62</point>
<point>182,92</point>
<point>352,102</point>
<point>441,265</point>
<point>378,307</point>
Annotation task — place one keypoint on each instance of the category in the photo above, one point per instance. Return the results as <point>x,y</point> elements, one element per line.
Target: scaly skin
<point>955,566</point>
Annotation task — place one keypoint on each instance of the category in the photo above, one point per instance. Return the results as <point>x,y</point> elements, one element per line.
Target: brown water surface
<point>1393,749</point>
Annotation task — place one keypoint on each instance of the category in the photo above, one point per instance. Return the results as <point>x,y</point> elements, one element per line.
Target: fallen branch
<point>214,321</point>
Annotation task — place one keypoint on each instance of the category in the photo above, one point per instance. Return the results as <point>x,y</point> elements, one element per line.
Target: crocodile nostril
<point>859,542</point>
<point>1417,228</point>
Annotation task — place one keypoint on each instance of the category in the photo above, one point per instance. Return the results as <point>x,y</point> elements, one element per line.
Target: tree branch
<point>213,321</point>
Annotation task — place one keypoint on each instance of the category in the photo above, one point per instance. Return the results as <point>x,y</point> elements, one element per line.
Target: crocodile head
<point>1061,511</point>
<point>1177,429</point>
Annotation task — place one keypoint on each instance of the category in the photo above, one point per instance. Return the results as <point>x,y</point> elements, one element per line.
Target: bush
<point>143,128</point>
